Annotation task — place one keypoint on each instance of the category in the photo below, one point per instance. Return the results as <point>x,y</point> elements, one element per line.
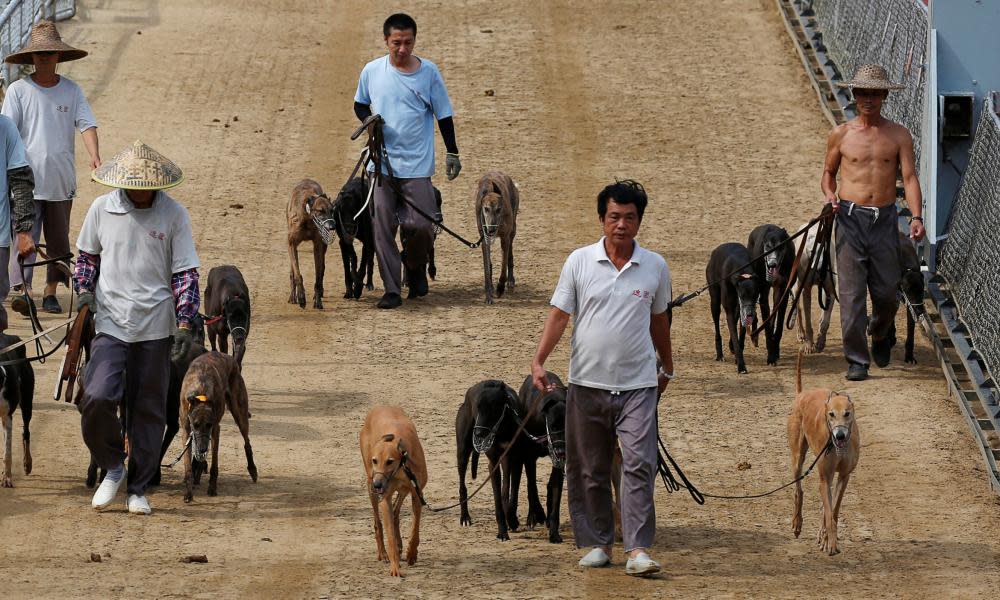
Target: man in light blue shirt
<point>409,93</point>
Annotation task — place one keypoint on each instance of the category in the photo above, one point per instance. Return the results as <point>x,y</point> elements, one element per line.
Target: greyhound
<point>311,216</point>
<point>394,468</point>
<point>431,267</point>
<point>497,202</point>
<point>18,383</point>
<point>552,414</point>
<point>227,299</point>
<point>212,383</point>
<point>354,221</point>
<point>911,290</point>
<point>770,242</point>
<point>823,421</point>
<point>733,285</point>
<point>803,312</point>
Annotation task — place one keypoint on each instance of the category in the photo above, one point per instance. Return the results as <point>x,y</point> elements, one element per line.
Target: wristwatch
<point>917,218</point>
<point>669,376</point>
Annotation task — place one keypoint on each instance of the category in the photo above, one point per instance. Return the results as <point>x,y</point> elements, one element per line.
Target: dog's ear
<point>511,396</point>
<point>309,204</point>
<point>496,188</point>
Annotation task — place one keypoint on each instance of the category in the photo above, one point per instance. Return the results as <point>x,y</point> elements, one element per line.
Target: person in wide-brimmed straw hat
<point>867,152</point>
<point>137,271</point>
<point>47,108</point>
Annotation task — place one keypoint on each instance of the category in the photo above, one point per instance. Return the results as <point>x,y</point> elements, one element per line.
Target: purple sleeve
<point>85,273</point>
<point>187,298</point>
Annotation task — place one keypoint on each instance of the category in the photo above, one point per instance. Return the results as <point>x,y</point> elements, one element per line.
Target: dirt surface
<point>704,102</point>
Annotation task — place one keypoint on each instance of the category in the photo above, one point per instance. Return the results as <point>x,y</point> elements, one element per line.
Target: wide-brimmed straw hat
<point>45,38</point>
<point>871,77</point>
<point>139,167</point>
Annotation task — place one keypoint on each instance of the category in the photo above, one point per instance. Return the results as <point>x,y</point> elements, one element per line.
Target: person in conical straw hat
<point>46,109</point>
<point>137,271</point>
<point>867,152</point>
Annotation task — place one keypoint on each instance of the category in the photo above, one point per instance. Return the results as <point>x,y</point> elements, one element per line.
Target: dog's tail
<point>798,374</point>
<point>475,463</point>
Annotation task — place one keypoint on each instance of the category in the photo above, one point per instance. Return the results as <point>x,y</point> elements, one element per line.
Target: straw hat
<point>45,38</point>
<point>871,77</point>
<point>139,167</point>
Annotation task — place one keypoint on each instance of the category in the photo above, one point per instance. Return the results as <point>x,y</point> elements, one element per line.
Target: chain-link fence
<point>969,259</point>
<point>891,33</point>
<point>16,19</point>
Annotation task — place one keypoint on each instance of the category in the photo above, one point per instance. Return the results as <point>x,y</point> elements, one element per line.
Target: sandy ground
<point>704,102</point>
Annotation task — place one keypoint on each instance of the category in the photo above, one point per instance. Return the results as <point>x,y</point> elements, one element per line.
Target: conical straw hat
<point>45,38</point>
<point>139,167</point>
<point>871,77</point>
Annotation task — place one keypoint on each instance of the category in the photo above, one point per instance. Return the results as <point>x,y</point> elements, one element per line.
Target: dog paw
<point>503,536</point>
<point>742,370</point>
<point>252,469</point>
<point>555,538</point>
<point>212,490</point>
<point>348,295</point>
<point>718,357</point>
<point>394,571</point>
<point>501,288</point>
<point>188,497</point>
<point>910,360</point>
<point>357,292</point>
<point>820,344</point>
<point>318,303</point>
<point>6,482</point>
<point>411,557</point>
<point>797,526</point>
<point>465,520</point>
<point>27,461</point>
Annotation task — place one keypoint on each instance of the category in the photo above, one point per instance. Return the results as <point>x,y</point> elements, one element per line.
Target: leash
<point>187,447</point>
<point>374,153</point>
<point>825,215</point>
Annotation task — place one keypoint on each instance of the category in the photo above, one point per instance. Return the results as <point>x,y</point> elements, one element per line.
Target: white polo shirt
<point>612,348</point>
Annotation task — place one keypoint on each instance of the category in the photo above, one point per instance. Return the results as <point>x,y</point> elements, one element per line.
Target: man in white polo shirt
<point>619,293</point>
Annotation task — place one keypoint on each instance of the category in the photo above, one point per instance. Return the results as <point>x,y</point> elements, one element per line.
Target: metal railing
<point>15,26</point>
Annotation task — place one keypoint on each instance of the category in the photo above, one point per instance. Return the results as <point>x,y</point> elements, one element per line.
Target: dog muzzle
<point>772,268</point>
<point>841,437</point>
<point>199,447</point>
<point>747,316</point>
<point>490,232</point>
<point>325,228</point>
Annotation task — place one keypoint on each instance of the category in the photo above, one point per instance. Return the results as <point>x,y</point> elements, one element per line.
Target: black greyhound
<point>551,414</point>
<point>777,256</point>
<point>485,424</point>
<point>911,288</point>
<point>431,267</point>
<point>18,383</point>
<point>734,286</point>
<point>227,300</point>
<point>354,221</point>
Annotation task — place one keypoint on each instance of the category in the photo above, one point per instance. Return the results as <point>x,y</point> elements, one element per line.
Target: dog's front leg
<point>319,258</point>
<point>806,320</point>
<point>188,470</point>
<point>411,549</point>
<point>487,271</point>
<point>842,480</point>
<point>828,535</point>
<point>368,264</point>
<point>381,554</point>
<point>504,256</point>
<point>8,431</point>
<point>213,474</point>
<point>349,280</point>
<point>553,498</point>
<point>511,486</point>
<point>498,503</point>
<point>536,514</point>
<point>298,295</point>
<point>798,446</point>
<point>910,326</point>
<point>388,515</point>
<point>824,322</point>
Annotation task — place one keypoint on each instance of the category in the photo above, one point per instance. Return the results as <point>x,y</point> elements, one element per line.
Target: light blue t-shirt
<point>409,103</point>
<point>13,156</point>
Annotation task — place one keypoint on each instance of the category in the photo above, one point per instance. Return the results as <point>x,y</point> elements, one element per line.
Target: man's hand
<point>182,343</point>
<point>540,378</point>
<point>25,245</point>
<point>95,162</point>
<point>86,299</point>
<point>834,203</point>
<point>661,384</point>
<point>917,230</point>
<point>453,165</point>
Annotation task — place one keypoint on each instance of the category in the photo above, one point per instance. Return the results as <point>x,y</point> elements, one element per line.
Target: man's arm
<point>21,183</point>
<point>85,272</point>
<point>447,128</point>
<point>362,111</point>
<point>93,147</point>
<point>187,298</point>
<point>555,325</point>
<point>659,330</point>
<point>831,165</point>
<point>911,185</point>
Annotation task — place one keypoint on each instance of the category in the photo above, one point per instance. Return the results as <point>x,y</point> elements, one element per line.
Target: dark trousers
<point>52,217</point>
<point>391,214</point>
<point>596,420</point>
<point>867,263</point>
<point>138,374</point>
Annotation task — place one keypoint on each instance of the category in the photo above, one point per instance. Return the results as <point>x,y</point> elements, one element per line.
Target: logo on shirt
<point>63,109</point>
<point>157,235</point>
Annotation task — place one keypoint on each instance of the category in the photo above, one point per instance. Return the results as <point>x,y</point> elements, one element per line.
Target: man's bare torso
<point>868,161</point>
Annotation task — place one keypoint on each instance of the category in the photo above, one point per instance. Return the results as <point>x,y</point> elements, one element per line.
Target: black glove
<point>86,299</point>
<point>182,343</point>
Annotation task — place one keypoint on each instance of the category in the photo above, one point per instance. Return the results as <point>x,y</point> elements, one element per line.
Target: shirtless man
<point>868,152</point>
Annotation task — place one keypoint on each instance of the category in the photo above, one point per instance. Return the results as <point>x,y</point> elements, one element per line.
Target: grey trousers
<point>867,263</point>
<point>595,421</point>
<point>391,214</point>
<point>5,254</point>
<point>139,374</point>
<point>53,217</point>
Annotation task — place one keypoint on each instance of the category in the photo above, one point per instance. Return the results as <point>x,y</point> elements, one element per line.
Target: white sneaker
<point>138,505</point>
<point>106,492</point>
<point>595,558</point>
<point>641,565</point>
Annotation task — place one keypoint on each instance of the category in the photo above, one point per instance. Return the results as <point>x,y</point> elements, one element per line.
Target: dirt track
<point>704,102</point>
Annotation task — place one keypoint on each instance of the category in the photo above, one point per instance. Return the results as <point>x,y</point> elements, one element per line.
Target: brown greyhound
<point>311,216</point>
<point>823,420</point>
<point>497,203</point>
<point>393,459</point>
<point>212,383</point>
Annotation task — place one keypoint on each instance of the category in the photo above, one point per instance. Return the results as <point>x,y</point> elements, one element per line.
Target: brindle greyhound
<point>733,286</point>
<point>354,221</point>
<point>227,299</point>
<point>497,201</point>
<point>212,383</point>
<point>777,257</point>
<point>823,279</point>
<point>18,383</point>
<point>311,216</point>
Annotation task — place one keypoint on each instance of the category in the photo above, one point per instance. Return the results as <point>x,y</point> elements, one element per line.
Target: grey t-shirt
<point>140,249</point>
<point>47,119</point>
<point>612,347</point>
